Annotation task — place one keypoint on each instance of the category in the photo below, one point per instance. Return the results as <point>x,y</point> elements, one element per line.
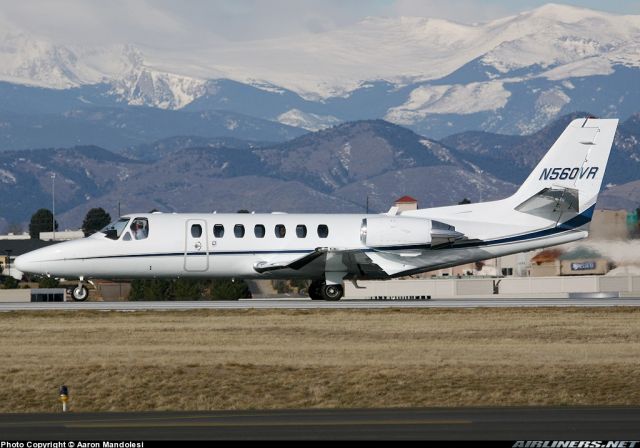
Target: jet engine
<point>396,231</point>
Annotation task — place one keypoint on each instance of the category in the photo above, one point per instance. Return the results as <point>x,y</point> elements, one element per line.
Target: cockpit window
<point>140,228</point>
<point>114,230</point>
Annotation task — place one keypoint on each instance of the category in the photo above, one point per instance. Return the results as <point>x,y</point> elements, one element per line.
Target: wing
<point>356,262</point>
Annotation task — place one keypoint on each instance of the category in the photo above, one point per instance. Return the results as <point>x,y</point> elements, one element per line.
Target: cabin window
<point>127,237</point>
<point>280,231</point>
<point>301,231</point>
<point>218,230</point>
<point>196,230</point>
<point>323,231</point>
<point>114,230</point>
<point>259,231</point>
<point>238,231</point>
<point>139,228</point>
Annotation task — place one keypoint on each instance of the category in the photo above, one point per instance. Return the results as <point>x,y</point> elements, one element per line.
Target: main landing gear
<point>319,290</point>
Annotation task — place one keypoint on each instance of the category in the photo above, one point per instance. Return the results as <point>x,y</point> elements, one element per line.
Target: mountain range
<point>512,75</point>
<point>340,169</point>
<point>330,121</point>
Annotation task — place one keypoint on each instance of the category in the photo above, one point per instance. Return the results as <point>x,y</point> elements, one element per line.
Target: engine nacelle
<point>397,231</point>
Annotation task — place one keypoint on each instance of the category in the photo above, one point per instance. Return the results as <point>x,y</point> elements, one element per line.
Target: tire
<point>314,290</point>
<point>80,293</point>
<point>332,292</point>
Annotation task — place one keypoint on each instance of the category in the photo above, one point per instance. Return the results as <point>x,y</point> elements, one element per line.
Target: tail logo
<point>587,172</point>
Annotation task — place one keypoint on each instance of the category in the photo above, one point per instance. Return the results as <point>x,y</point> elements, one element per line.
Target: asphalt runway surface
<point>575,423</point>
<point>305,304</point>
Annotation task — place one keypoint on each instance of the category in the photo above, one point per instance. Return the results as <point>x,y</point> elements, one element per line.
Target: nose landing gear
<point>80,292</point>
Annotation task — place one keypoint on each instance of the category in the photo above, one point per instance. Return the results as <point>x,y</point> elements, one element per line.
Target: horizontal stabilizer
<point>551,202</point>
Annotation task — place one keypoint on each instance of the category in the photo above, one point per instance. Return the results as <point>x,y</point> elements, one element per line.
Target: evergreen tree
<point>48,282</point>
<point>188,289</point>
<point>137,290</point>
<point>226,289</point>
<point>153,289</point>
<point>41,221</point>
<point>95,220</point>
<point>8,282</point>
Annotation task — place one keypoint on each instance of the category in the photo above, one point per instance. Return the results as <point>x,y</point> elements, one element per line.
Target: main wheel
<point>314,290</point>
<point>80,293</point>
<point>332,292</point>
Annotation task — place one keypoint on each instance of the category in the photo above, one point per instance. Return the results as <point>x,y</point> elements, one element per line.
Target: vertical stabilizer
<point>575,164</point>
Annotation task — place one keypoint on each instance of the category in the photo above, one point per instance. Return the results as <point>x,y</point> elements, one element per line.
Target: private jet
<point>553,206</point>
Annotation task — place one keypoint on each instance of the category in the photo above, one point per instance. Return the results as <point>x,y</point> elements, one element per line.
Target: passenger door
<point>196,252</point>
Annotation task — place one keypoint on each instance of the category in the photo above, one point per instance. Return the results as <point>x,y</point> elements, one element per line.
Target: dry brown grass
<point>114,361</point>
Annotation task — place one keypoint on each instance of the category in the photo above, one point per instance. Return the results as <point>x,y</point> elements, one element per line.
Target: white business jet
<point>553,206</point>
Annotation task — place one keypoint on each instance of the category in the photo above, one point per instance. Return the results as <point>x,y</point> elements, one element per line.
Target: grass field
<point>116,361</point>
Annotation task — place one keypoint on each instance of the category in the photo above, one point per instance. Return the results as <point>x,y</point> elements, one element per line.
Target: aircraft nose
<point>24,263</point>
<point>34,262</point>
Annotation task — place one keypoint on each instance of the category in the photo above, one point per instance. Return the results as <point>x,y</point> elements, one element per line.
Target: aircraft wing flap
<point>375,265</point>
<point>296,264</point>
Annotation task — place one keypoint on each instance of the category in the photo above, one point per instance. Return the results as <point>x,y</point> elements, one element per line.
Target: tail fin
<point>570,175</point>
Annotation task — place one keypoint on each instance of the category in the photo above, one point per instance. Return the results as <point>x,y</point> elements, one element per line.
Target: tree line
<point>43,221</point>
<point>189,289</point>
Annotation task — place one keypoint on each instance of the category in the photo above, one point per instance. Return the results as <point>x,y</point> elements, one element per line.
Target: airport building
<point>63,235</point>
<point>406,203</point>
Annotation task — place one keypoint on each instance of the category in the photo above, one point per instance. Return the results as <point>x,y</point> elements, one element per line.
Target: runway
<point>307,304</point>
<point>576,423</point>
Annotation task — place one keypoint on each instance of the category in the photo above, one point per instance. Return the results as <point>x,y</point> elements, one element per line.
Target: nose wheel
<point>80,293</point>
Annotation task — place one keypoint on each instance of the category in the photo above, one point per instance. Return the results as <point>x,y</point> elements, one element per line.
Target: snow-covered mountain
<point>308,121</point>
<point>33,61</point>
<point>509,75</point>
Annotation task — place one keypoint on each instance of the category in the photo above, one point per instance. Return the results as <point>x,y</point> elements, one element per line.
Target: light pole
<point>53,200</point>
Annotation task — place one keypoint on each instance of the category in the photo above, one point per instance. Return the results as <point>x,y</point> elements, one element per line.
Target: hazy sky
<point>191,22</point>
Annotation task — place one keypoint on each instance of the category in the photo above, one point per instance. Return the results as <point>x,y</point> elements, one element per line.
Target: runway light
<point>64,397</point>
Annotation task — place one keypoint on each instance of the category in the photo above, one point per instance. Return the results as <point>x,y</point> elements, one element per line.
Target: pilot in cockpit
<point>139,229</point>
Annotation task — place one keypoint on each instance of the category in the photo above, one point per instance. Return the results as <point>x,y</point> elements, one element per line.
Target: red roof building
<point>406,200</point>
<point>406,203</point>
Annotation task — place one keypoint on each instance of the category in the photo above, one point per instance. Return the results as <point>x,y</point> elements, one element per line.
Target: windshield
<point>114,230</point>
